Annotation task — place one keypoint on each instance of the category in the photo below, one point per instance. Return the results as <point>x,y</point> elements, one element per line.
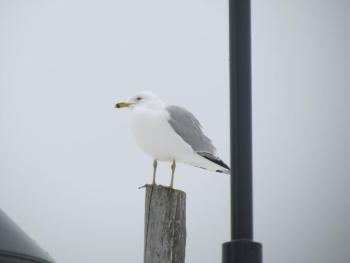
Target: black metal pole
<point>241,248</point>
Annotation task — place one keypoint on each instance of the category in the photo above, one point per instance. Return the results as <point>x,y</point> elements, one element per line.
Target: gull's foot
<point>144,186</point>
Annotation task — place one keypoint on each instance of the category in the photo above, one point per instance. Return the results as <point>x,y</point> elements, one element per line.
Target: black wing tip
<point>214,159</point>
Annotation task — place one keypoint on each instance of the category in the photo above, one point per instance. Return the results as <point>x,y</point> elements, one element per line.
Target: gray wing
<point>188,127</point>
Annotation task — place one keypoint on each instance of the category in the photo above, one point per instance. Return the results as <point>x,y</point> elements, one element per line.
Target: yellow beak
<point>122,105</point>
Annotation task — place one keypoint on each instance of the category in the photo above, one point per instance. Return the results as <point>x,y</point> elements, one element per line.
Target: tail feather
<point>216,160</point>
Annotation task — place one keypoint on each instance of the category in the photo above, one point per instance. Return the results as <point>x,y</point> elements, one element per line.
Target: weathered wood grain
<point>165,225</point>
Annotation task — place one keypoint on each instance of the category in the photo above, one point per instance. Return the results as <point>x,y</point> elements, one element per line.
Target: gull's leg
<point>154,172</point>
<point>173,166</point>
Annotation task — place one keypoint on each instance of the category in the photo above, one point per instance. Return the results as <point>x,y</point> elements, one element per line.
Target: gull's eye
<point>138,98</point>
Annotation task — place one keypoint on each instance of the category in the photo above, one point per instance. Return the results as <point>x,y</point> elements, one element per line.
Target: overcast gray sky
<point>70,170</point>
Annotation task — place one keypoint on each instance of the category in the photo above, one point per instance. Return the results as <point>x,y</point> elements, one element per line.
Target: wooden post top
<point>165,225</point>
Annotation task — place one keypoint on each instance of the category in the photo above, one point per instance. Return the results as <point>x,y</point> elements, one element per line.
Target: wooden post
<point>165,225</point>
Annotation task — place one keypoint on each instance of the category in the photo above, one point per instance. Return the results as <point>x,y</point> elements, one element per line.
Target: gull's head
<point>145,99</point>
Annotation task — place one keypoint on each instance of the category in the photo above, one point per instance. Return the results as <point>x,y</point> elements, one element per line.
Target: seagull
<point>170,133</point>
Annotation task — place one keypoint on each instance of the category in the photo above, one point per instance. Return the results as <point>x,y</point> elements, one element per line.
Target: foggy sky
<point>70,170</point>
